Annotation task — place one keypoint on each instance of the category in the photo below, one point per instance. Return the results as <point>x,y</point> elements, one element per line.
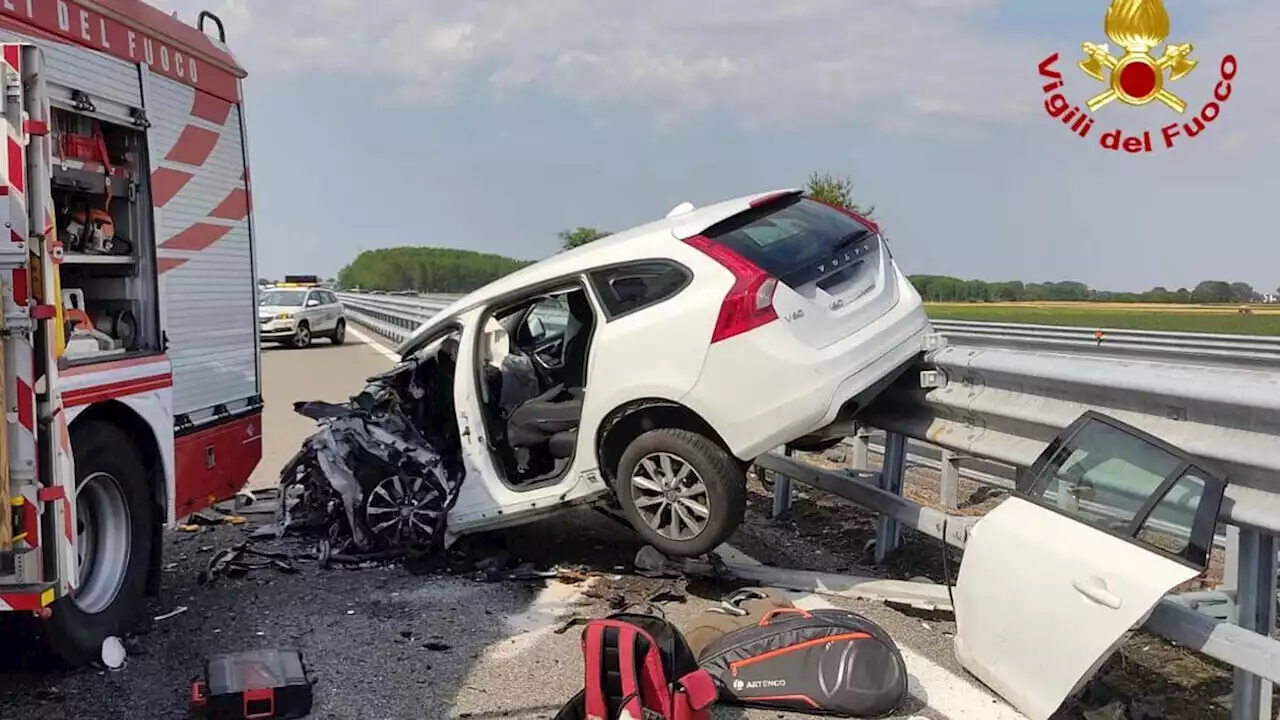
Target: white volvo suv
<point>647,369</point>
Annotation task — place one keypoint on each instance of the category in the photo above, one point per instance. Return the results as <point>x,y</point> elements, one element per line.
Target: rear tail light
<point>749,303</point>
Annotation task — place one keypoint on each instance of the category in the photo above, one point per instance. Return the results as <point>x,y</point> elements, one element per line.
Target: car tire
<point>693,460</point>
<point>301,336</point>
<point>114,521</point>
<point>339,335</point>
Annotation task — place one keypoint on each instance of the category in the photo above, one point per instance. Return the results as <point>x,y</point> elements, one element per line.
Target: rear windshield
<point>788,235</point>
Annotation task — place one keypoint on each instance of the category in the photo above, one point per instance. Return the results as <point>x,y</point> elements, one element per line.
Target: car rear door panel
<point>1042,601</point>
<point>1107,522</point>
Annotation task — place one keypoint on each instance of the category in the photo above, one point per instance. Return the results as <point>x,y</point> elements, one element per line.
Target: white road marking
<point>553,605</point>
<point>936,686</point>
<point>373,343</point>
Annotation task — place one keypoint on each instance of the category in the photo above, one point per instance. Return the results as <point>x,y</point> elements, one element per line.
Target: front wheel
<point>681,491</point>
<point>301,336</point>
<point>114,517</point>
<point>339,333</point>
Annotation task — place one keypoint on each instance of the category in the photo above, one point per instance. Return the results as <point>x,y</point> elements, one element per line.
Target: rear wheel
<point>301,336</point>
<point>114,515</point>
<point>681,491</point>
<point>339,335</point>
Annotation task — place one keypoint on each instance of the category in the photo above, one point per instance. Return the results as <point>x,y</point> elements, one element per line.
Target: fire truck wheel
<point>114,515</point>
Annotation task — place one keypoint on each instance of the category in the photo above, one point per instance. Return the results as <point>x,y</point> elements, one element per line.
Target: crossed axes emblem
<point>1175,59</point>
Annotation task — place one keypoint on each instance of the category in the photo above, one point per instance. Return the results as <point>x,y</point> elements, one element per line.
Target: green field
<point>1264,320</point>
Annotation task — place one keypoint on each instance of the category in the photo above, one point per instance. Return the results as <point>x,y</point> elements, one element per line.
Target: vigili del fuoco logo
<point>1134,75</point>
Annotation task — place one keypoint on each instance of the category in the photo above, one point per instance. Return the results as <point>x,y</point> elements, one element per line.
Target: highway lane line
<point>373,343</point>
<point>942,690</point>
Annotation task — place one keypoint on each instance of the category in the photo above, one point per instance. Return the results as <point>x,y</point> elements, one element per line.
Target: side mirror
<point>313,303</point>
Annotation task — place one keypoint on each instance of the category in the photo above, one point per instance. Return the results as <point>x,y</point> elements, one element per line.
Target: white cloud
<point>769,61</point>
<point>905,65</point>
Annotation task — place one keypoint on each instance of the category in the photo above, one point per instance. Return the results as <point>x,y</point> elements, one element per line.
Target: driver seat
<point>551,419</point>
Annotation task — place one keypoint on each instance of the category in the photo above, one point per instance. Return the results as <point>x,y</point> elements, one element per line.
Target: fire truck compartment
<point>100,187</point>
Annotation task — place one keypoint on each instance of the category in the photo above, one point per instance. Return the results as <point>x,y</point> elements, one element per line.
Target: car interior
<point>533,373</point>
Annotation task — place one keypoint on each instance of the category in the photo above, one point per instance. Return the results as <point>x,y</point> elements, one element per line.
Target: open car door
<point>1108,521</point>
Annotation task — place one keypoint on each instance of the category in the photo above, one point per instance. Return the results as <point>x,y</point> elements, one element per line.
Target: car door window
<point>1117,480</point>
<point>627,288</point>
<point>1174,524</point>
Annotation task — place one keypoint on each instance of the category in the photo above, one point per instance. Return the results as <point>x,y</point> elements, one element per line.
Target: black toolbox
<point>259,684</point>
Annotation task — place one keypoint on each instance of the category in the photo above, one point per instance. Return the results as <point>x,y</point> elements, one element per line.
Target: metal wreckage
<point>378,478</point>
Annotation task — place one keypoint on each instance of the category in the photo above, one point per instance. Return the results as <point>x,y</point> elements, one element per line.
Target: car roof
<point>626,245</point>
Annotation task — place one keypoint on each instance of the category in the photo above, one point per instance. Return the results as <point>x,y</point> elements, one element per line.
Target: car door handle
<point>1095,591</point>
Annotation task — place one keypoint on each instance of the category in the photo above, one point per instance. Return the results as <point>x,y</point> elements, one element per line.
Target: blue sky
<point>491,125</point>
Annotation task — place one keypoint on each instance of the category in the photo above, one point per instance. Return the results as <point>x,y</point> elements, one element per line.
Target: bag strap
<point>769,616</point>
<point>593,653</point>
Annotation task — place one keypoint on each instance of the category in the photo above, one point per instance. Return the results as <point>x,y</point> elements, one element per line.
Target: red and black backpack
<point>638,667</point>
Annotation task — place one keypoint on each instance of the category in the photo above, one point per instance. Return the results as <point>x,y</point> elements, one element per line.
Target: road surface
<point>386,644</point>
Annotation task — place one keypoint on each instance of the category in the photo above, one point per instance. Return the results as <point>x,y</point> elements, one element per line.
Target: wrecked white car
<point>644,370</point>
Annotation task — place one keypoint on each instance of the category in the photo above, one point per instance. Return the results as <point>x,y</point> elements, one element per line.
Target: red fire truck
<point>130,349</point>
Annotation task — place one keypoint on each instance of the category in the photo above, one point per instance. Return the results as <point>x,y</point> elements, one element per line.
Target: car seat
<point>577,341</point>
<point>550,421</point>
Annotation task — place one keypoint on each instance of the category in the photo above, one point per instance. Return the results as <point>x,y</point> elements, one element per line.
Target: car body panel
<point>796,389</point>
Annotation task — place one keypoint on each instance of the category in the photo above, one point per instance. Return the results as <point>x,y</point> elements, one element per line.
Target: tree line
<point>442,270</point>
<point>942,288</point>
<point>426,269</point>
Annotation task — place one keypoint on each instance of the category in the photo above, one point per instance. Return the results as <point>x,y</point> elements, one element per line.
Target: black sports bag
<point>825,662</point>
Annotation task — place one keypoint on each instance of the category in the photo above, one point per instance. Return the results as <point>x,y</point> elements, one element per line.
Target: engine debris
<point>379,476</point>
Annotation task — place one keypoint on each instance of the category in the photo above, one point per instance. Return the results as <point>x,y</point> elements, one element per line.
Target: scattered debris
<point>435,646</point>
<point>113,654</point>
<point>653,564</point>
<point>232,562</point>
<point>171,614</point>
<point>198,522</point>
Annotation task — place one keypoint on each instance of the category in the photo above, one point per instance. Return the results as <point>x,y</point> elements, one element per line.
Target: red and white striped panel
<point>199,180</point>
<point>19,352</point>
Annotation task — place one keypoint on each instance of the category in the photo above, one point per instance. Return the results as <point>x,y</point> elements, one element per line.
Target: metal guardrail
<point>997,393</point>
<point>1211,348</point>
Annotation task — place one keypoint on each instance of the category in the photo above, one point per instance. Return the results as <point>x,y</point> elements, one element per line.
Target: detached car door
<point>1108,520</point>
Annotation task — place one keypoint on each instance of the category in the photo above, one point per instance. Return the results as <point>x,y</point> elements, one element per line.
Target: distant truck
<point>130,349</point>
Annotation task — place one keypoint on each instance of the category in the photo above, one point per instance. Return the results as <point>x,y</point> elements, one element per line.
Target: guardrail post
<point>1231,568</point>
<point>782,490</point>
<point>861,448</point>
<point>1256,611</point>
<point>888,531</point>
<point>949,489</point>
